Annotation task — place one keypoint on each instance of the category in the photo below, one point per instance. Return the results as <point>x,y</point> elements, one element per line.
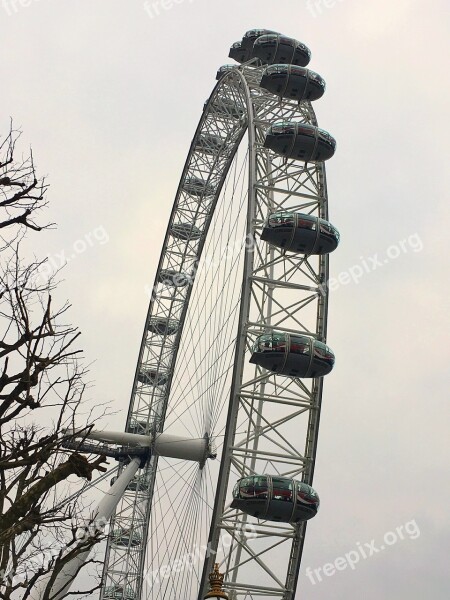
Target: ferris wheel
<point>228,384</point>
<point>234,348</point>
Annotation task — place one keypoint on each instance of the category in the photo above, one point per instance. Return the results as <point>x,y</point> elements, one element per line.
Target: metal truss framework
<point>280,291</point>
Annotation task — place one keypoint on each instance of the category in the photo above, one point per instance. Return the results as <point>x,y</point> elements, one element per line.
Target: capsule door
<point>281,504</point>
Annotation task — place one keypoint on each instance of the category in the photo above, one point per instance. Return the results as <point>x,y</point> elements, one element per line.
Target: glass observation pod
<point>275,498</point>
<point>118,592</point>
<point>293,355</point>
<point>300,141</point>
<point>197,187</point>
<point>173,278</point>
<point>152,377</point>
<point>162,326</point>
<point>227,108</point>
<point>297,232</point>
<point>185,231</point>
<point>209,143</point>
<point>243,51</point>
<point>278,49</point>
<point>253,34</point>
<point>223,70</point>
<point>239,53</point>
<point>139,482</point>
<point>124,538</point>
<point>291,81</point>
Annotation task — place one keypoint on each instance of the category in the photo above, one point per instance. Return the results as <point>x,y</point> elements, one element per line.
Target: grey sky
<point>109,95</point>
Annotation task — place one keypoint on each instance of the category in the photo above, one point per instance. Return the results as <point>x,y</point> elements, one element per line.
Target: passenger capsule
<point>293,355</point>
<point>239,53</point>
<point>223,70</point>
<point>124,538</point>
<point>185,231</point>
<point>279,49</point>
<point>291,81</point>
<point>118,592</point>
<point>172,278</point>
<point>197,187</point>
<point>243,51</point>
<point>274,498</point>
<point>162,326</point>
<point>209,143</point>
<point>300,141</point>
<point>251,36</point>
<point>152,377</point>
<point>297,232</point>
<point>225,107</point>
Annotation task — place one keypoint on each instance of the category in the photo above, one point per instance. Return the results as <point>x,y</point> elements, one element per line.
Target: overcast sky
<point>109,93</point>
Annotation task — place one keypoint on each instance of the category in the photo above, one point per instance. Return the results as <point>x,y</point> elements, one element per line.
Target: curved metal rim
<point>244,124</point>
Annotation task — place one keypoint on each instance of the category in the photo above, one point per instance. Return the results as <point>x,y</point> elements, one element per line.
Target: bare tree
<point>41,391</point>
<point>22,194</point>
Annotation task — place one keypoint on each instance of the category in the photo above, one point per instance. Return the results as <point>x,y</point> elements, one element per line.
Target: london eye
<point>229,380</point>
